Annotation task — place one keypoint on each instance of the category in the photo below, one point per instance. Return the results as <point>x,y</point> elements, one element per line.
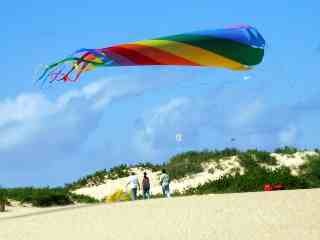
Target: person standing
<point>165,182</point>
<point>146,186</point>
<point>134,185</point>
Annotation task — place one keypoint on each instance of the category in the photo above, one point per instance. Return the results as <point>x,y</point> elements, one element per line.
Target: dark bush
<point>119,172</point>
<point>47,197</point>
<point>3,199</point>
<point>286,150</point>
<point>262,157</point>
<point>191,162</point>
<point>148,165</point>
<point>311,170</point>
<point>95,179</point>
<point>179,167</point>
<point>253,180</point>
<point>79,198</point>
<point>41,197</point>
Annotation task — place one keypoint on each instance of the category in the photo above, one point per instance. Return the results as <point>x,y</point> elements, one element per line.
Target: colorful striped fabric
<point>236,48</point>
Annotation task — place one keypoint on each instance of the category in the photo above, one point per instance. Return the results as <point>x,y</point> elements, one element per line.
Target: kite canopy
<point>236,48</point>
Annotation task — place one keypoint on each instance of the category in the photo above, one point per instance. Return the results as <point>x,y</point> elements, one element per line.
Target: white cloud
<point>204,125</point>
<point>31,120</point>
<point>23,107</point>
<point>160,126</point>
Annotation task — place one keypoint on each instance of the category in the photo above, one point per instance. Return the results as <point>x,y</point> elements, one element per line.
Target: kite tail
<point>70,69</point>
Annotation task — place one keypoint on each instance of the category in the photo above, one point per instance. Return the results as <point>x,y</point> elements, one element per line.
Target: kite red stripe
<point>159,55</point>
<point>133,56</point>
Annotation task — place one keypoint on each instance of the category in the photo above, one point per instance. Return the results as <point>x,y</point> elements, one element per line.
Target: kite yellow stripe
<point>192,53</point>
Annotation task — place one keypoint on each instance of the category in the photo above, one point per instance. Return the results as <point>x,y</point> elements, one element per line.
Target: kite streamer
<point>236,48</point>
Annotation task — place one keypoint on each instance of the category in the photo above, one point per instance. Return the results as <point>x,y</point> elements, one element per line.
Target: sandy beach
<point>264,215</point>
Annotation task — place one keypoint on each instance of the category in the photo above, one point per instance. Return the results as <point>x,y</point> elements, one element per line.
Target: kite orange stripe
<point>164,58</point>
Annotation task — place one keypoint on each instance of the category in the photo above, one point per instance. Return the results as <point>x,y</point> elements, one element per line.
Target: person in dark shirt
<point>146,186</point>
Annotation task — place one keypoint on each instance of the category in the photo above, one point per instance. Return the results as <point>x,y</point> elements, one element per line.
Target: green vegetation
<point>119,172</point>
<point>3,200</point>
<point>99,177</point>
<point>252,159</point>
<point>256,173</point>
<point>286,150</point>
<point>184,164</point>
<point>148,165</point>
<point>191,162</point>
<point>311,170</point>
<point>95,179</point>
<point>79,198</point>
<point>178,166</point>
<point>45,197</point>
<point>252,180</point>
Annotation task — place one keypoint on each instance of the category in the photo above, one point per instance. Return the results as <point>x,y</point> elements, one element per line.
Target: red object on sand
<point>267,187</point>
<point>278,186</point>
<point>273,187</point>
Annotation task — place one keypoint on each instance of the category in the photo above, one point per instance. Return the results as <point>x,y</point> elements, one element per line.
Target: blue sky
<point>125,115</point>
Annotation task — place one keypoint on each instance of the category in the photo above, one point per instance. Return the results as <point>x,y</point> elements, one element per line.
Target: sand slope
<point>292,161</point>
<point>264,215</point>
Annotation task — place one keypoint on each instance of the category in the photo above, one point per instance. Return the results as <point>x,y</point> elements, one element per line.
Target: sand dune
<point>264,215</point>
<point>292,161</point>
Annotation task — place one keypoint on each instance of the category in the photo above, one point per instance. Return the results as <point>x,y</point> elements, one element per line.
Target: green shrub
<point>248,161</point>
<point>148,165</point>
<point>79,198</point>
<point>119,172</point>
<point>95,179</point>
<point>20,194</point>
<point>3,199</point>
<point>286,150</point>
<point>41,197</point>
<point>211,170</point>
<point>191,162</point>
<point>47,198</point>
<point>253,180</point>
<point>262,157</point>
<point>99,177</point>
<point>228,152</point>
<point>180,167</point>
<point>317,150</point>
<point>311,170</point>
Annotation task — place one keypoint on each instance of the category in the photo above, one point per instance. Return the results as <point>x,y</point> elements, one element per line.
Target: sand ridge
<point>225,166</point>
<point>262,215</point>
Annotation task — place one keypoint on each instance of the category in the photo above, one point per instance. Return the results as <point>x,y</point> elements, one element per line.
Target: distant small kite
<point>247,77</point>
<point>236,48</point>
<point>179,137</point>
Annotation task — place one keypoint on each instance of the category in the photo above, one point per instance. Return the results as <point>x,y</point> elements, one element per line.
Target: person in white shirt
<point>165,182</point>
<point>134,185</point>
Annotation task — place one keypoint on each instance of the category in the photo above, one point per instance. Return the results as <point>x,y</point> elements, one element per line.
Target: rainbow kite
<point>236,48</point>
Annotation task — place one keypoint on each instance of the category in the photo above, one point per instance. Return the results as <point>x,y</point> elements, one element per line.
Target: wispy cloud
<point>36,131</point>
<point>250,122</point>
<point>157,130</point>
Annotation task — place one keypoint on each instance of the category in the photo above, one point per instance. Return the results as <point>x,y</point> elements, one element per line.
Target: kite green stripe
<point>239,52</point>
